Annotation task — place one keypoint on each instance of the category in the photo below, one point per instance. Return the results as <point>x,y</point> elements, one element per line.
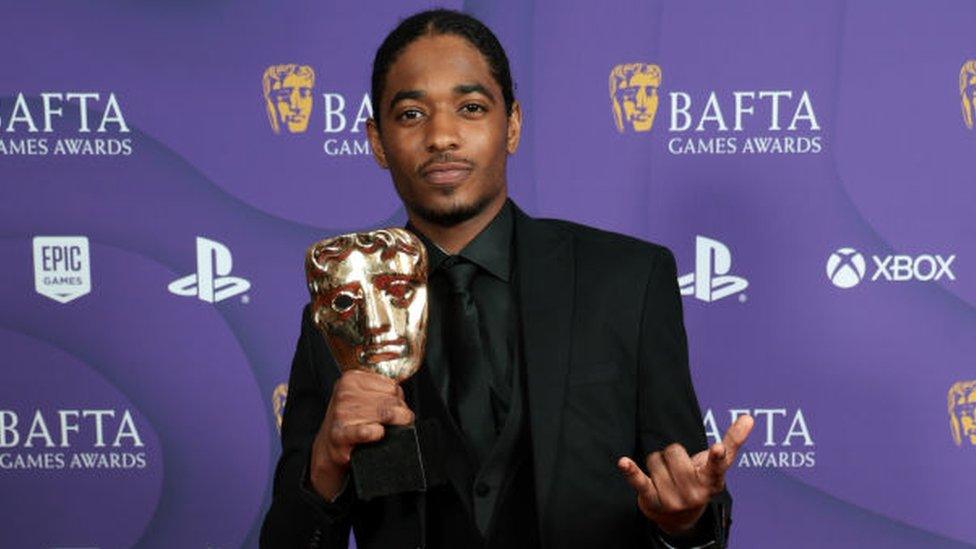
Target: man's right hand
<point>361,403</point>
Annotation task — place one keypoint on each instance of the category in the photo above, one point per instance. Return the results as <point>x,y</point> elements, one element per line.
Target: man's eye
<point>410,114</point>
<point>473,108</point>
<point>342,303</point>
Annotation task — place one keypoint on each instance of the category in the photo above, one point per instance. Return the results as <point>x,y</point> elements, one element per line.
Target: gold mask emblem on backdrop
<point>278,398</point>
<point>633,93</point>
<point>288,96</point>
<point>962,412</point>
<point>369,299</point>
<point>967,91</point>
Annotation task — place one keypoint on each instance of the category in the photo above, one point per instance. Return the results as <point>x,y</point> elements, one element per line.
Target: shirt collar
<point>491,249</point>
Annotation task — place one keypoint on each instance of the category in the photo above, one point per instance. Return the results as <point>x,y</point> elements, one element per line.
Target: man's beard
<point>452,215</point>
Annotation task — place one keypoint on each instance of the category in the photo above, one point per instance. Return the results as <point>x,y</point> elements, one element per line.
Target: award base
<point>389,466</point>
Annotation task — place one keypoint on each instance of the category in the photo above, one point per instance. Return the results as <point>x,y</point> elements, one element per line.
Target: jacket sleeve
<point>668,410</point>
<point>298,516</point>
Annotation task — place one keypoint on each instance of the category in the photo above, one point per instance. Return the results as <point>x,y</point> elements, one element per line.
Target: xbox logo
<point>845,268</point>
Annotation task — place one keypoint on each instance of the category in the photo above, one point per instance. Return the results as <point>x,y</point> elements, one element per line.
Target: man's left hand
<point>678,487</point>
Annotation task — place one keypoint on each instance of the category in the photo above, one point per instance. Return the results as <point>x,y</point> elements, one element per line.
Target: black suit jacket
<point>606,369</point>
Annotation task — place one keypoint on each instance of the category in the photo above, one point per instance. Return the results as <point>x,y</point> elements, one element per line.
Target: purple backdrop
<point>810,165</point>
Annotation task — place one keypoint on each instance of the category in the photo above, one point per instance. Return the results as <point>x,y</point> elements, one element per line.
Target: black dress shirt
<point>491,288</point>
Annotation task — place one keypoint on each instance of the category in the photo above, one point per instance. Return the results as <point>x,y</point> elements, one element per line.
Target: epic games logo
<point>31,123</point>
<point>289,103</point>
<point>62,267</point>
<point>715,123</point>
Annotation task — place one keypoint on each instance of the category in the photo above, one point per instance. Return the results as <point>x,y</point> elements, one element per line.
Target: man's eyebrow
<point>460,89</point>
<point>403,95</point>
<point>464,89</point>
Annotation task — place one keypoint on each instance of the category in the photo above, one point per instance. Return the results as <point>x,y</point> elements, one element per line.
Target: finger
<point>712,474</point>
<point>395,414</point>
<point>351,435</point>
<point>634,476</point>
<point>641,483</point>
<point>388,410</point>
<point>682,471</point>
<point>657,470</point>
<point>736,436</point>
<point>369,381</point>
<point>721,455</point>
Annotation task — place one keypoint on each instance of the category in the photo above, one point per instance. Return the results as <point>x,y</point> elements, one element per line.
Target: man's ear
<point>514,128</point>
<point>375,144</point>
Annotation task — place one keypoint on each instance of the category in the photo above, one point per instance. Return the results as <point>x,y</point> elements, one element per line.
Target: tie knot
<point>459,273</point>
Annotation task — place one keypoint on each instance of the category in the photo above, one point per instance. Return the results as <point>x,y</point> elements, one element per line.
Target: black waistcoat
<point>450,507</point>
<point>493,506</point>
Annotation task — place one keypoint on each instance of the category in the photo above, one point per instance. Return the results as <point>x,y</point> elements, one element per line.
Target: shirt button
<point>481,489</point>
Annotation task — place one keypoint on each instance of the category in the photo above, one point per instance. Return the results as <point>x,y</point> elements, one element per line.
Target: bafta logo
<point>288,96</point>
<point>962,411</point>
<point>633,92</point>
<point>967,91</point>
<point>278,398</point>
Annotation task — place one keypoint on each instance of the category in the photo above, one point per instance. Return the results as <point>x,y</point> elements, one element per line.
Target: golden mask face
<point>369,299</point>
<point>967,91</point>
<point>288,96</point>
<point>962,412</point>
<point>633,92</point>
<point>278,399</point>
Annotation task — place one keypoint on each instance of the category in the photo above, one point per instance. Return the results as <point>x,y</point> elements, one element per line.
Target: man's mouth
<point>446,173</point>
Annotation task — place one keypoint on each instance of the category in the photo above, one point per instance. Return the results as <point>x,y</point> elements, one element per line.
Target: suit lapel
<point>546,281</point>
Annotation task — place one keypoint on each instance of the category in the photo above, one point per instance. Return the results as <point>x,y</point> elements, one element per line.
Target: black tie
<point>469,370</point>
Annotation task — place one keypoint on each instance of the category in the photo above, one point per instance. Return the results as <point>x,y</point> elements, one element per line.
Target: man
<point>576,363</point>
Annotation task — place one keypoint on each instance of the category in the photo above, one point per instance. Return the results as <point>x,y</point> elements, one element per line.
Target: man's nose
<point>442,132</point>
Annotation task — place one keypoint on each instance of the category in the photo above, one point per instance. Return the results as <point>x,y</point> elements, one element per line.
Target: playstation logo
<point>210,283</point>
<point>711,281</point>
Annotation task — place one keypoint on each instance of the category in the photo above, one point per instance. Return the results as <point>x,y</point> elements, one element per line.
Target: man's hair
<point>441,22</point>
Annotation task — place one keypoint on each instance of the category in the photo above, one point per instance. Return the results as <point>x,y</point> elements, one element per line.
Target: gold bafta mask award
<point>369,299</point>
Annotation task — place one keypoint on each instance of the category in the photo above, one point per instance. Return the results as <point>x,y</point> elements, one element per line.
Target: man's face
<point>293,101</point>
<point>445,133</point>
<point>373,311</point>
<point>638,99</point>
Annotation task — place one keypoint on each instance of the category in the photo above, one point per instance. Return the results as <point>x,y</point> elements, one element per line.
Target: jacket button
<point>481,489</point>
